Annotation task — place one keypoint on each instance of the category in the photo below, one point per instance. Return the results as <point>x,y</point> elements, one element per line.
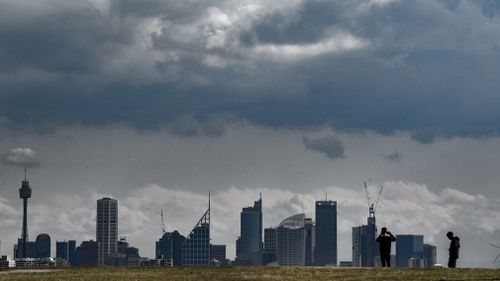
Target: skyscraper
<point>249,244</point>
<point>364,243</point>
<point>196,247</point>
<point>408,247</point>
<point>87,254</point>
<point>25,194</point>
<point>430,255</point>
<point>310,241</point>
<point>170,247</point>
<point>107,228</point>
<point>326,233</point>
<point>291,241</point>
<point>269,255</point>
<point>66,250</point>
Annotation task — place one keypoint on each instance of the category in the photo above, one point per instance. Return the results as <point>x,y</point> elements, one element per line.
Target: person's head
<point>384,230</point>
<point>449,235</point>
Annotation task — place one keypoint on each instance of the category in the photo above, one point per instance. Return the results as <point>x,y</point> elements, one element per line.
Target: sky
<point>155,103</point>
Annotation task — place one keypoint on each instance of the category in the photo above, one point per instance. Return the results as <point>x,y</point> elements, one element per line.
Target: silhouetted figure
<point>384,240</point>
<point>453,250</point>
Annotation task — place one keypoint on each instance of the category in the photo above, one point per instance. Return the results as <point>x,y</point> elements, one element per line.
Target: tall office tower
<point>409,250</point>
<point>364,243</point>
<point>269,255</point>
<point>326,233</point>
<point>87,254</point>
<point>430,254</point>
<point>24,193</point>
<point>196,247</point>
<point>107,228</point>
<point>291,240</point>
<point>170,247</point>
<point>249,244</point>
<point>310,241</point>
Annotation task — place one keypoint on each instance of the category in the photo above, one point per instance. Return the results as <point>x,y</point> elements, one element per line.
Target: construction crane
<point>162,223</point>
<point>497,259</point>
<point>372,204</point>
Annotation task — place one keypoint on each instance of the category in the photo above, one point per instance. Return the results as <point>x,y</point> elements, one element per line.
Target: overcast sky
<point>157,102</point>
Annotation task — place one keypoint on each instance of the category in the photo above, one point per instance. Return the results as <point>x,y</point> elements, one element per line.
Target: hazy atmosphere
<point>155,103</point>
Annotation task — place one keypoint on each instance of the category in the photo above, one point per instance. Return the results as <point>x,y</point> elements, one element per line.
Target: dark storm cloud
<point>331,146</point>
<point>428,67</point>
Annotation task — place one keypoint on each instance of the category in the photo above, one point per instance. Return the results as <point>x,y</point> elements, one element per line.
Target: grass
<point>255,273</point>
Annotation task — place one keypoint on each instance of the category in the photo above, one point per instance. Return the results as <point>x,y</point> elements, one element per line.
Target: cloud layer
<point>428,67</point>
<point>23,157</point>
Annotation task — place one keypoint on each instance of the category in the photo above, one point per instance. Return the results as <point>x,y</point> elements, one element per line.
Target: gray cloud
<point>356,64</point>
<point>331,146</point>
<point>22,157</point>
<point>395,156</point>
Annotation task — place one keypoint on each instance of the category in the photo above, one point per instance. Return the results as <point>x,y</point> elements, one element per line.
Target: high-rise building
<point>291,240</point>
<point>364,244</point>
<point>196,247</point>
<point>325,252</point>
<point>25,194</point>
<point>409,246</point>
<point>430,254</point>
<point>310,241</point>
<point>269,245</point>
<point>107,228</point>
<point>170,247</point>
<point>218,254</point>
<point>87,254</point>
<point>42,246</point>
<point>66,250</point>
<point>249,244</point>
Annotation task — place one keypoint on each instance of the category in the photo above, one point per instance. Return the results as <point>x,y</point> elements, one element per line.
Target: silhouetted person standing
<point>453,250</point>
<point>384,240</point>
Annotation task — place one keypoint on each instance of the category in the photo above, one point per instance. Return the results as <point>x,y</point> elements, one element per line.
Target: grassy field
<point>254,273</point>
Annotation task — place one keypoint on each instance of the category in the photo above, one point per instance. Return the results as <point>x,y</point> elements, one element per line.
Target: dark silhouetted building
<point>42,246</point>
<point>249,244</point>
<point>409,250</point>
<point>364,244</point>
<point>66,250</point>
<point>269,255</point>
<point>310,241</point>
<point>25,194</point>
<point>196,247</point>
<point>87,254</point>
<point>107,228</point>
<point>325,252</point>
<point>170,247</point>
<point>291,240</point>
<point>430,254</point>
<point>218,254</point>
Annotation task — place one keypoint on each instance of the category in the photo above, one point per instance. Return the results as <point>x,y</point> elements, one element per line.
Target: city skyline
<point>154,103</point>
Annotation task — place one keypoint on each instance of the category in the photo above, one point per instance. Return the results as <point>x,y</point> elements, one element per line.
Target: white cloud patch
<point>341,42</point>
<point>21,156</point>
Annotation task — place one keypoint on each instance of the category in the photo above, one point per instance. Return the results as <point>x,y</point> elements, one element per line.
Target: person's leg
<point>382,259</point>
<point>388,260</point>
<point>452,262</point>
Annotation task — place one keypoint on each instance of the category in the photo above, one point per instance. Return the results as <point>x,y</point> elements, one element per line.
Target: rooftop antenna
<point>326,195</point>
<point>25,179</point>
<point>209,199</point>
<point>162,222</point>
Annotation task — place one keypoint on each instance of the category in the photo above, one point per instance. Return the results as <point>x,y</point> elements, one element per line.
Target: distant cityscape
<point>296,241</point>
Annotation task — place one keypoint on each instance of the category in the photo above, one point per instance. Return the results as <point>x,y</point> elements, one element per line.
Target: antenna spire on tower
<point>25,174</point>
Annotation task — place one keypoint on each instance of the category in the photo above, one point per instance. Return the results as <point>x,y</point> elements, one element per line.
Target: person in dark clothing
<point>453,250</point>
<point>384,240</point>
